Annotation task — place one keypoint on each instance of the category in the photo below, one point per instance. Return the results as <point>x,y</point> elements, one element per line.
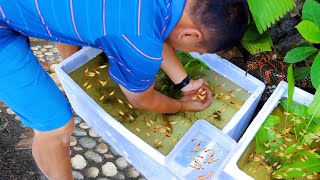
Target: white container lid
<point>201,153</point>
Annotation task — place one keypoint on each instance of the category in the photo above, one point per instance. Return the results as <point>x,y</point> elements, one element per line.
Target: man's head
<point>209,26</point>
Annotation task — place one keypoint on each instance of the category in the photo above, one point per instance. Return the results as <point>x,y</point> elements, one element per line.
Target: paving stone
<point>84,125</point>
<point>103,179</point>
<point>48,46</point>
<point>92,133</point>
<point>77,175</point>
<point>100,140</point>
<point>49,58</point>
<point>92,172</point>
<point>108,156</point>
<point>77,120</point>
<point>79,132</point>
<point>17,118</point>
<point>121,163</point>
<point>9,111</point>
<point>114,152</point>
<point>40,55</point>
<point>119,176</point>
<point>54,50</point>
<point>42,59</point>
<point>48,53</point>
<point>77,148</point>
<point>92,156</point>
<point>37,52</point>
<point>109,169</point>
<point>78,162</point>
<point>73,141</point>
<point>34,48</point>
<point>132,173</point>
<point>43,49</point>
<point>102,148</point>
<point>52,67</point>
<point>86,142</point>
<point>55,78</point>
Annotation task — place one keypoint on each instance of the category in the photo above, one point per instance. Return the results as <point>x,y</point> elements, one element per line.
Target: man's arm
<point>176,72</point>
<point>153,100</point>
<point>67,50</point>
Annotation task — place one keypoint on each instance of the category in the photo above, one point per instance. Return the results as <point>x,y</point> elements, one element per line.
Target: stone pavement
<point>91,156</point>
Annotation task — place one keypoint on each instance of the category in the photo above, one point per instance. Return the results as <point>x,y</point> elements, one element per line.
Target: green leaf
<point>299,54</point>
<point>309,31</point>
<point>265,136</point>
<point>290,79</point>
<point>254,42</point>
<point>302,73</point>
<point>266,13</point>
<point>314,107</point>
<point>308,138</point>
<point>311,12</point>
<point>315,71</point>
<point>312,165</point>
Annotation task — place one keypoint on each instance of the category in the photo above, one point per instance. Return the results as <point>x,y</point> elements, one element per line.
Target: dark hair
<point>223,22</point>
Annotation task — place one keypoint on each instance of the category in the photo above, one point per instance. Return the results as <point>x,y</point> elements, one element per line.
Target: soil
<point>15,164</point>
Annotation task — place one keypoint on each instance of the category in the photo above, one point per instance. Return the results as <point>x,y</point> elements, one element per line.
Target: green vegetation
<point>264,14</point>
<point>309,29</point>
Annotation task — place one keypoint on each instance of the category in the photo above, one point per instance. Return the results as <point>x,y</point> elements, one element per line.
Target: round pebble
<point>142,179</point>
<point>48,46</point>
<point>73,141</point>
<point>78,162</point>
<point>43,49</point>
<point>92,133</point>
<point>77,148</point>
<point>38,47</point>
<point>40,55</point>
<point>100,140</point>
<point>108,156</point>
<point>84,125</point>
<point>77,175</point>
<point>9,111</point>
<point>49,58</point>
<point>48,53</point>
<point>17,118</point>
<point>109,169</point>
<point>103,179</point>
<point>52,67</point>
<point>55,78</point>
<point>92,172</point>
<point>132,173</point>
<point>42,59</point>
<point>120,176</point>
<point>92,156</point>
<point>102,148</point>
<point>114,152</point>
<point>121,163</point>
<point>34,48</point>
<point>59,59</point>
<point>86,142</point>
<point>37,52</point>
<point>54,50</point>
<point>77,120</point>
<point>79,132</point>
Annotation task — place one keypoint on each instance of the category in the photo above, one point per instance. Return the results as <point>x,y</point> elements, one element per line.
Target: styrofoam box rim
<point>237,75</point>
<point>299,96</point>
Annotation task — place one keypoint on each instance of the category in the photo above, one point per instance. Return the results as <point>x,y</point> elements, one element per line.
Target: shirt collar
<point>176,9</point>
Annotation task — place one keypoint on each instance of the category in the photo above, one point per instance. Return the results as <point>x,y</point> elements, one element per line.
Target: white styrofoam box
<point>281,92</point>
<point>145,158</point>
<point>203,144</point>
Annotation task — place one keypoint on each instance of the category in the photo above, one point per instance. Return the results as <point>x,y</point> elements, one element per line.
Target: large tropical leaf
<point>254,42</point>
<point>311,12</point>
<point>266,13</point>
<point>315,72</point>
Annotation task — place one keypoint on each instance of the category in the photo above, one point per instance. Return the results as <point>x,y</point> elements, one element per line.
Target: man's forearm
<point>171,64</point>
<point>153,100</point>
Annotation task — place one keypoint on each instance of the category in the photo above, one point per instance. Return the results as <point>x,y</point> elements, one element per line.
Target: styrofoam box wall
<point>145,158</point>
<point>281,92</point>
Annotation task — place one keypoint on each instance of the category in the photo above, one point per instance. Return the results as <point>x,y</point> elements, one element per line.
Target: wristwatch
<point>183,83</point>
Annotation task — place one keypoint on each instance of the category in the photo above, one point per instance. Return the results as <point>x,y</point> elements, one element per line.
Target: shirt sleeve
<point>134,60</point>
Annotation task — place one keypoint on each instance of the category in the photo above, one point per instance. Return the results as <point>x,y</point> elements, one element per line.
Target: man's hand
<point>197,101</point>
<point>194,86</point>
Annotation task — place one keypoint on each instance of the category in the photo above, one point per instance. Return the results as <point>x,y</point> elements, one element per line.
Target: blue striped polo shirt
<point>131,32</point>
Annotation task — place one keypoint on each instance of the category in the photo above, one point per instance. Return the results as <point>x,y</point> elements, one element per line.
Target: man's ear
<point>190,34</point>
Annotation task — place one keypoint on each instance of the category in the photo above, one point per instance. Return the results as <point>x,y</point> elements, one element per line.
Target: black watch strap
<point>183,83</point>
